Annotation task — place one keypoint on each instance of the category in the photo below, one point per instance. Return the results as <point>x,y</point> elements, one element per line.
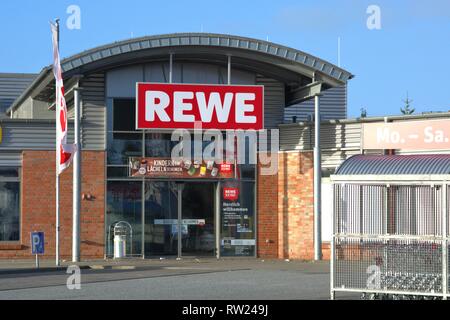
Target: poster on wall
<point>188,169</point>
<point>238,219</point>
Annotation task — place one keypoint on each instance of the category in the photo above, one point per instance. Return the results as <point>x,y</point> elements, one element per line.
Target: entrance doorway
<point>163,221</point>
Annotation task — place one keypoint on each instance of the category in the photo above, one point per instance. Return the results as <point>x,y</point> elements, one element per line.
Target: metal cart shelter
<point>391,227</point>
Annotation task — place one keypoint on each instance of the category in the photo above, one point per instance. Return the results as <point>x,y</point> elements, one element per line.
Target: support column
<point>170,67</point>
<point>317,183</point>
<point>76,180</point>
<point>180,187</point>
<point>218,222</point>
<point>444,241</point>
<point>229,70</point>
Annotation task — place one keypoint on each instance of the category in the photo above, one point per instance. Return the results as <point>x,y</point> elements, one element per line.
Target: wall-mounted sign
<point>407,135</point>
<point>193,222</point>
<point>179,106</point>
<point>231,194</point>
<point>170,168</point>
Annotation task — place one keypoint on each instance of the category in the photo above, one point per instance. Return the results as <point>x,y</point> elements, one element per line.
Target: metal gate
<point>390,240</point>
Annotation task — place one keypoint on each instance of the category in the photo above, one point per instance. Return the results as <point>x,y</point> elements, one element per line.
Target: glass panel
<point>247,171</point>
<point>117,172</point>
<point>198,218</point>
<point>161,215</point>
<point>124,199</point>
<point>9,211</point>
<point>238,219</point>
<point>121,146</point>
<point>124,115</point>
<point>8,172</point>
<point>158,145</point>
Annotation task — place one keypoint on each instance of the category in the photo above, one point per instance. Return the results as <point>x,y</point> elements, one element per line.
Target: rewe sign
<point>179,106</point>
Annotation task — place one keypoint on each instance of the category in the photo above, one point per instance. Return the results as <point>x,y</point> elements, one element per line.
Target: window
<point>9,204</point>
<point>123,139</point>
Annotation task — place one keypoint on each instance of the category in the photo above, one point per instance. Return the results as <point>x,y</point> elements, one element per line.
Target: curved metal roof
<point>395,165</point>
<point>207,40</point>
<point>263,55</point>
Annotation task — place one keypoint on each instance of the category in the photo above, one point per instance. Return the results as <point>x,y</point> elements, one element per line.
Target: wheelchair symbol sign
<point>37,243</point>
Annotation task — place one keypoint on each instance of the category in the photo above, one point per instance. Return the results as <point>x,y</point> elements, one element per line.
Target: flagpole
<point>57,172</point>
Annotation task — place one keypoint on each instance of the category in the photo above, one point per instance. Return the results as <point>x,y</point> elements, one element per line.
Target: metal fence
<point>391,241</point>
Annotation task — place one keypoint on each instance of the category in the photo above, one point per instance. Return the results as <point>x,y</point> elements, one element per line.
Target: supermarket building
<point>276,218</point>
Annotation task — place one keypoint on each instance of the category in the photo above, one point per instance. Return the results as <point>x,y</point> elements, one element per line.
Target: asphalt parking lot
<point>170,279</point>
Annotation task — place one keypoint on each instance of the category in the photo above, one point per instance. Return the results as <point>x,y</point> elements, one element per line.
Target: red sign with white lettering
<point>231,194</point>
<point>179,106</point>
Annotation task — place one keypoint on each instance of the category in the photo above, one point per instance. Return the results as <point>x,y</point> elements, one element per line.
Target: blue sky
<point>409,54</point>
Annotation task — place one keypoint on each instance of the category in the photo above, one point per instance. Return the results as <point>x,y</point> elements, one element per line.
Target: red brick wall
<point>286,209</point>
<point>267,206</point>
<point>38,205</point>
<point>296,206</point>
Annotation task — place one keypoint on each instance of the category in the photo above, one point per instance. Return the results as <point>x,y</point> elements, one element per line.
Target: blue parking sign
<point>37,243</point>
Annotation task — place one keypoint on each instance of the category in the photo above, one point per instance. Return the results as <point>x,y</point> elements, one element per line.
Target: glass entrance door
<point>161,218</point>
<point>198,219</point>
<point>161,213</point>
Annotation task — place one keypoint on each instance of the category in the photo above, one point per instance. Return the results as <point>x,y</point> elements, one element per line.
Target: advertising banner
<point>237,219</point>
<point>170,168</point>
<point>180,106</point>
<point>407,135</point>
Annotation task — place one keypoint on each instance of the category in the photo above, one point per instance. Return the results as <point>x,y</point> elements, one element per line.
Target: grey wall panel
<point>237,76</point>
<point>122,82</point>
<point>339,141</point>
<point>93,135</point>
<point>159,72</point>
<point>41,110</point>
<point>333,105</point>
<point>30,135</point>
<point>200,73</point>
<point>273,101</point>
<point>11,86</point>
<point>26,111</point>
<point>10,159</point>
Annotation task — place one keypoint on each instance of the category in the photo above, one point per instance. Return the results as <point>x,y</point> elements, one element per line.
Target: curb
<point>36,270</point>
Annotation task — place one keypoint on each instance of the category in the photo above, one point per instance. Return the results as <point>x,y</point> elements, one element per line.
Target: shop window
<point>124,115</point>
<point>238,219</point>
<point>9,204</point>
<point>158,145</point>
<point>123,139</point>
<point>124,203</point>
<point>121,146</point>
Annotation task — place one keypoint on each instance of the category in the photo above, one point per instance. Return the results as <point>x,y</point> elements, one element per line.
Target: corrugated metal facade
<point>30,135</point>
<point>11,86</point>
<point>333,105</point>
<point>396,164</point>
<point>273,101</point>
<point>339,141</point>
<point>10,159</point>
<point>93,134</point>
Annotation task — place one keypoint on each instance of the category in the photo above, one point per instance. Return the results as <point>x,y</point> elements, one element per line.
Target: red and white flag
<point>64,151</point>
